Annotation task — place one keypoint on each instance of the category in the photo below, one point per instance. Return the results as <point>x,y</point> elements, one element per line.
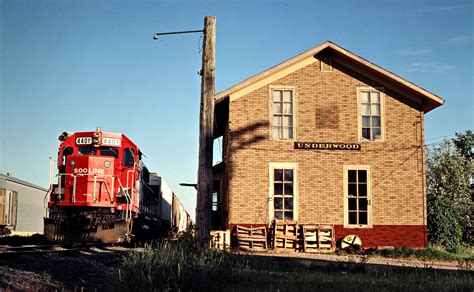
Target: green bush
<point>444,227</point>
<point>431,253</point>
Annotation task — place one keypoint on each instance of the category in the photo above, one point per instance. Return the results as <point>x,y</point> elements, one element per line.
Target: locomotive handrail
<point>132,171</point>
<point>129,201</point>
<point>74,176</point>
<point>128,211</point>
<point>45,199</point>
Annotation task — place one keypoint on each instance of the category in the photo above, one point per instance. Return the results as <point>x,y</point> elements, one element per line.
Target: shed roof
<point>430,100</point>
<point>4,177</point>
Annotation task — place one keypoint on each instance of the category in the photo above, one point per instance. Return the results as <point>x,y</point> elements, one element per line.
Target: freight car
<point>105,193</point>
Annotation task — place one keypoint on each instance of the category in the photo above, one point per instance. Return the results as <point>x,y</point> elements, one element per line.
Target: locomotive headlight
<point>72,163</point>
<point>96,138</point>
<point>106,164</point>
<point>63,136</point>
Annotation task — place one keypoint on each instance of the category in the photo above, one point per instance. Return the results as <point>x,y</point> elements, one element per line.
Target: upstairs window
<point>370,122</point>
<point>326,65</point>
<point>282,114</point>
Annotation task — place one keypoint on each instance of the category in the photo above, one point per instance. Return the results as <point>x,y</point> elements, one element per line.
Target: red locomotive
<point>104,192</point>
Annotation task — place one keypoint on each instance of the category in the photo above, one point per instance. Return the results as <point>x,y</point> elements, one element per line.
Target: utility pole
<point>206,132</point>
<point>206,127</point>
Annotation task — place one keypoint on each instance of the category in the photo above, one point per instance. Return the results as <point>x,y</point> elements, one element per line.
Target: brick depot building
<point>326,137</point>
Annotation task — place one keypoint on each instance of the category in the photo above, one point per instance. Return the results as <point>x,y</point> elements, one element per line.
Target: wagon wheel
<point>351,242</point>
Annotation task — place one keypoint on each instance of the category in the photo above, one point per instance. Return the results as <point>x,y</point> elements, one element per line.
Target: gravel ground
<point>94,269</point>
<point>374,261</point>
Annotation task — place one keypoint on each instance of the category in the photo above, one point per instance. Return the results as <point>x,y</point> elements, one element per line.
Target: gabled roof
<point>430,100</point>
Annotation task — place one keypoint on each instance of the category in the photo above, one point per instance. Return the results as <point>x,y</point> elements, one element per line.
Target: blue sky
<point>72,65</point>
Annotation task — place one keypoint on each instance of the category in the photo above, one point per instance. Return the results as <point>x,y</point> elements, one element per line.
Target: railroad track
<point>35,249</point>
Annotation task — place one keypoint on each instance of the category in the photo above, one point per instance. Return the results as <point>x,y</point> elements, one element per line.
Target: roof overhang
<point>428,99</point>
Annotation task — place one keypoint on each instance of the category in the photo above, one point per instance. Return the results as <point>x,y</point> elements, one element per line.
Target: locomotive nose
<point>90,180</point>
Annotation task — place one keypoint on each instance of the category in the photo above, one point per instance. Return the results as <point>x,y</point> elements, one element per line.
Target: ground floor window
<point>283,191</point>
<point>216,204</point>
<point>357,196</point>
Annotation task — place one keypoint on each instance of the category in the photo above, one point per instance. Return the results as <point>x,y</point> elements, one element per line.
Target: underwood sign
<point>326,146</point>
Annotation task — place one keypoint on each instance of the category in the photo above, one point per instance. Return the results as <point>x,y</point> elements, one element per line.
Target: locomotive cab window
<point>108,151</point>
<point>128,157</point>
<point>66,152</point>
<point>87,151</point>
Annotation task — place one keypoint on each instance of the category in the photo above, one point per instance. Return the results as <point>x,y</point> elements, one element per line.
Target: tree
<point>450,205</point>
<point>465,144</point>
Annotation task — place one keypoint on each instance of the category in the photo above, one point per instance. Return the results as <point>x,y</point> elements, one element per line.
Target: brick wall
<point>396,164</point>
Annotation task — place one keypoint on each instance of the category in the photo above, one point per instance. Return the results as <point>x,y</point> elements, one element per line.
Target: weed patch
<point>186,267</point>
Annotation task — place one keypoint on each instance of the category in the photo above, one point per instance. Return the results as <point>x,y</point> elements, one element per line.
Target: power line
<point>435,138</point>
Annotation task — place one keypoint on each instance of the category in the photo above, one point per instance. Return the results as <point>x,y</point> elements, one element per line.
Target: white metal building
<point>22,206</point>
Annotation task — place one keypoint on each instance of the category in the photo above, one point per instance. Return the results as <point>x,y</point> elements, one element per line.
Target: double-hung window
<point>357,196</point>
<point>370,122</point>
<point>282,113</point>
<point>283,191</point>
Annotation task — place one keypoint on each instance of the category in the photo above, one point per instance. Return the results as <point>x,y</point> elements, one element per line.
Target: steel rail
<point>37,249</point>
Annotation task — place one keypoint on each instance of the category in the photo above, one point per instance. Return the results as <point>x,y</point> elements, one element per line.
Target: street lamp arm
<point>157,34</point>
<point>188,185</point>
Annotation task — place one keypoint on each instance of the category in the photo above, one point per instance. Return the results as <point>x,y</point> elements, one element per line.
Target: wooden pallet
<point>286,236</point>
<point>220,239</point>
<point>251,238</point>
<point>317,238</point>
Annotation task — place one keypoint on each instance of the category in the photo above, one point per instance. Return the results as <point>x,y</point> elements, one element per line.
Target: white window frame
<point>219,197</point>
<point>382,113</point>
<point>271,168</point>
<point>328,63</point>
<point>346,169</point>
<point>295,120</point>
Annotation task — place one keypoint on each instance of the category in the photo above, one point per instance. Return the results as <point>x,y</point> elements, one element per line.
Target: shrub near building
<point>450,168</point>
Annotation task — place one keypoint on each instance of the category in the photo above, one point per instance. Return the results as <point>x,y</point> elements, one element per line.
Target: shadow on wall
<point>245,136</point>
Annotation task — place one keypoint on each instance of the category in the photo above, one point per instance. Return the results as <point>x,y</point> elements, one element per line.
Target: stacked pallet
<point>289,236</point>
<point>220,239</point>
<point>318,238</point>
<point>286,236</point>
<point>251,238</point>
